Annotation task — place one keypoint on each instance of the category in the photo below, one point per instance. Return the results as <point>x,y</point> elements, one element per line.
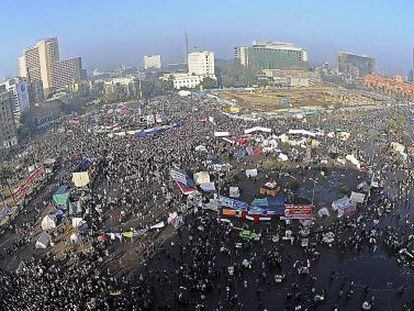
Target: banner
<point>23,189</point>
<point>234,204</point>
<point>293,211</point>
<point>184,183</point>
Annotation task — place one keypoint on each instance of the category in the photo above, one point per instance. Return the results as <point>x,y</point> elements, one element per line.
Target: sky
<point>107,33</point>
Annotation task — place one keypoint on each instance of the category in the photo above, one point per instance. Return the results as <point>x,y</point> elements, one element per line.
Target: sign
<point>234,204</point>
<point>293,211</point>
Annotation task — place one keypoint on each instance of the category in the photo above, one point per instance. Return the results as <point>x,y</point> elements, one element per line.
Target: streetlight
<point>313,190</point>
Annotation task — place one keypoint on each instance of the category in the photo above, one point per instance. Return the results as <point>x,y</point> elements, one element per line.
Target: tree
<point>209,83</point>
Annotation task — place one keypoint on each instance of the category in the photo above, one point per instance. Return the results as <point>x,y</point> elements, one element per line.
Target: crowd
<point>204,265</point>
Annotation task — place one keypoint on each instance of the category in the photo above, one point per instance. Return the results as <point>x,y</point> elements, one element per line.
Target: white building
<point>240,53</point>
<point>201,63</point>
<point>153,61</point>
<point>18,87</point>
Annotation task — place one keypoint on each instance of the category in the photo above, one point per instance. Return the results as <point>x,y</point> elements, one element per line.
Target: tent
<point>75,208</point>
<point>323,212</point>
<point>80,179</point>
<point>351,158</point>
<point>75,238</point>
<point>61,196</point>
<point>159,225</point>
<point>48,222</point>
<point>283,157</point>
<point>357,197</point>
<point>234,192</point>
<point>257,129</point>
<point>201,178</point>
<point>43,241</point>
<point>251,172</point>
<point>221,134</point>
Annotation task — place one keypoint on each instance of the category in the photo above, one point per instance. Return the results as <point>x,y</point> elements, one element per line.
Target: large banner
<point>293,211</point>
<point>22,190</point>
<point>234,204</point>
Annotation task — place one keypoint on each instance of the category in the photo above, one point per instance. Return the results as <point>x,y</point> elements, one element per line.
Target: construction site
<point>268,99</point>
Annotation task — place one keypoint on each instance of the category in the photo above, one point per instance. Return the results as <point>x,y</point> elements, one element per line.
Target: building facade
<point>201,63</point>
<point>67,71</point>
<point>240,55</point>
<point>272,55</point>
<point>20,92</point>
<point>41,62</point>
<point>8,136</point>
<point>355,66</point>
<point>152,62</point>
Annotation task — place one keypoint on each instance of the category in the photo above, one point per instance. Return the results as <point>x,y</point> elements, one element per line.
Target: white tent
<point>77,221</point>
<point>351,158</point>
<point>43,241</point>
<point>201,178</point>
<point>251,172</point>
<point>357,197</point>
<point>323,212</point>
<point>234,192</point>
<point>257,129</point>
<point>221,134</point>
<point>75,238</point>
<point>159,225</point>
<point>48,222</point>
<point>283,157</point>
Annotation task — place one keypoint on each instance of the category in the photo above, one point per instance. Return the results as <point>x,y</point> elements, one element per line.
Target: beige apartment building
<point>41,62</point>
<point>201,63</point>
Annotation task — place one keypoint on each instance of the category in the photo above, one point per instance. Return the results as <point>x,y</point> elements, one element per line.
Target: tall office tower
<point>201,63</point>
<point>38,60</point>
<point>153,61</point>
<point>20,96</point>
<point>41,62</point>
<point>356,66</point>
<point>187,51</point>
<point>240,55</point>
<point>67,71</point>
<point>8,135</point>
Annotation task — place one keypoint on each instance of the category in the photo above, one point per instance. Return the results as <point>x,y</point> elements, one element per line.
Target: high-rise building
<point>355,66</point>
<point>67,71</point>
<point>271,55</point>
<point>37,61</point>
<point>153,61</point>
<point>20,102</point>
<point>240,55</point>
<point>41,62</point>
<point>201,63</point>
<point>187,51</point>
<point>8,135</point>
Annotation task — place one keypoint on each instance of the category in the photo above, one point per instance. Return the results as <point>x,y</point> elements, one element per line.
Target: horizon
<point>122,34</point>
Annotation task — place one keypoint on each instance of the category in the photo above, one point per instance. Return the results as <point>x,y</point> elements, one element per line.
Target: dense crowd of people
<point>204,265</point>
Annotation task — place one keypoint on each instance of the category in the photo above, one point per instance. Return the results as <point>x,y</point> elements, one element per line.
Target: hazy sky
<point>109,33</point>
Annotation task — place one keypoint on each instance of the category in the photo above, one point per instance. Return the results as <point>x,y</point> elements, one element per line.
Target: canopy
<point>257,129</point>
<point>251,172</point>
<point>43,240</point>
<point>80,179</point>
<point>48,222</point>
<point>61,195</point>
<point>201,178</point>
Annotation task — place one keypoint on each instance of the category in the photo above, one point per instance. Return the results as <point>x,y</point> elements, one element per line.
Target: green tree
<point>209,83</point>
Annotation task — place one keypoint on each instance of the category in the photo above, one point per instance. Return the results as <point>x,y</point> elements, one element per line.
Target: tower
<point>186,47</point>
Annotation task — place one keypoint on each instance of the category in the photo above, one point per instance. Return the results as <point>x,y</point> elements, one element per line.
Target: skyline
<point>119,34</point>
